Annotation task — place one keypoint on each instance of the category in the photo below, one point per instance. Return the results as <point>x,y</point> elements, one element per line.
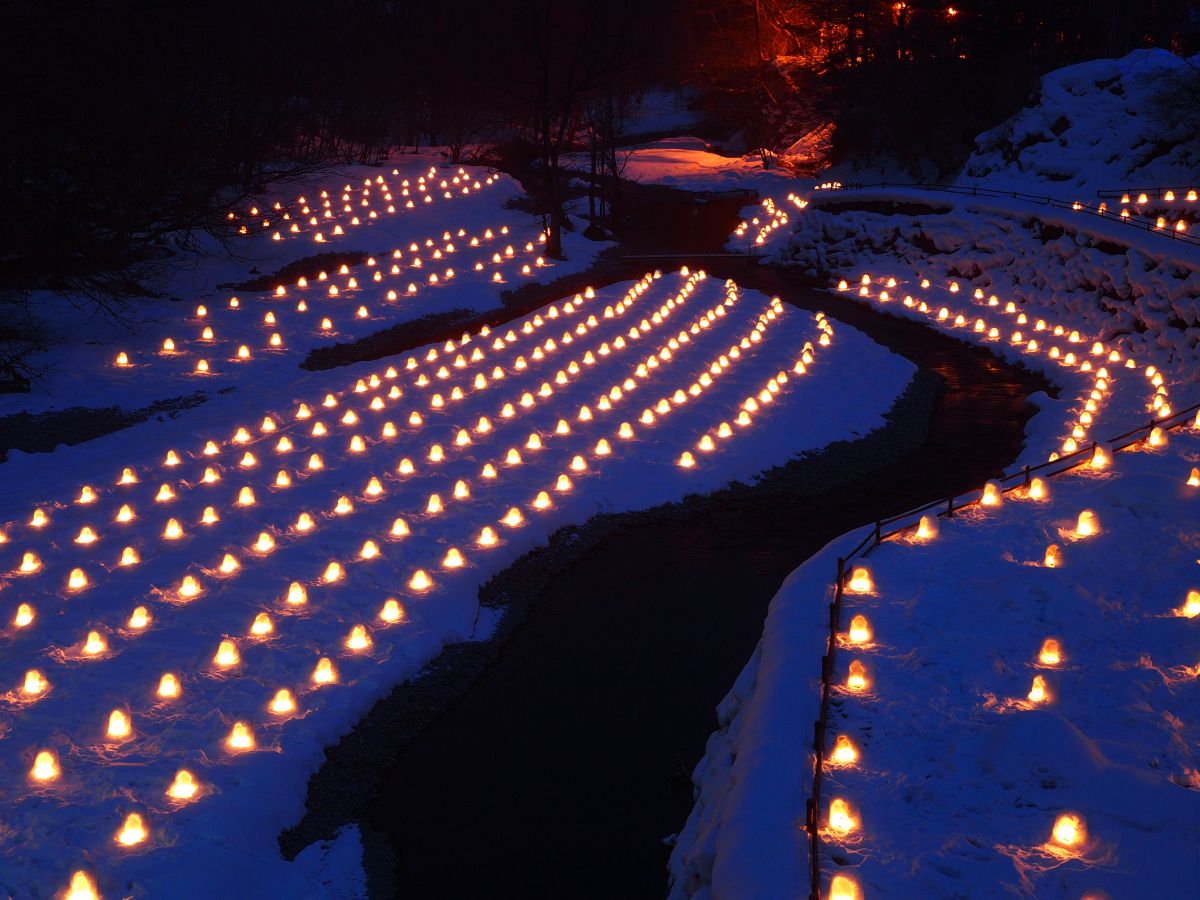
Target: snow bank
<point>1103,124</point>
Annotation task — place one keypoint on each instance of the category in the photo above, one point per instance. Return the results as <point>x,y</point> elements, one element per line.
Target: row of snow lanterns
<point>1094,396</point>
<point>1068,835</point>
<point>752,404</point>
<point>241,737</point>
<point>265,541</point>
<point>773,217</point>
<point>1139,204</point>
<point>166,492</point>
<point>275,340</point>
<point>425,186</point>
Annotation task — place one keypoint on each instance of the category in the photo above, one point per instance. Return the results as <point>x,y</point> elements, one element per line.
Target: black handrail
<point>877,536</point>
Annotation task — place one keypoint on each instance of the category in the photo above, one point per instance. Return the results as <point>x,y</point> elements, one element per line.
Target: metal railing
<point>1074,205</point>
<point>884,530</point>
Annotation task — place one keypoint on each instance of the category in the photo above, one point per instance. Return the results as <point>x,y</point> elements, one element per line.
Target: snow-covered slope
<point>225,593</point>
<point>1103,124</point>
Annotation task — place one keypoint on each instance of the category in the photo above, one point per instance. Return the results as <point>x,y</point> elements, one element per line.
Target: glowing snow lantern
<point>283,702</point>
<point>860,581</point>
<point>168,686</point>
<point>841,820</point>
<point>359,638</point>
<point>1051,653</point>
<point>296,595</point>
<point>1158,437</point>
<point>843,887</point>
<point>133,831</point>
<point>1194,478</point>
<point>992,495</point>
<point>1038,489</point>
<point>184,786</point>
<point>927,528</point>
<point>77,580</point>
<point>857,678</point>
<point>420,581</point>
<point>227,655</point>
<point>29,562</point>
<point>24,616</point>
<point>262,625</point>
<point>542,500</point>
<point>139,618</point>
<point>860,630</point>
<point>240,737</point>
<point>844,751</point>
<point>94,644</point>
<point>1038,693</point>
<point>45,766</point>
<point>324,673</point>
<point>119,725</point>
<point>35,684</point>
<point>333,572</point>
<point>1053,557</point>
<point>1191,606</point>
<point>1101,458</point>
<point>513,517</point>
<point>369,550</point>
<point>1087,525</point>
<point>453,559</point>
<point>1069,831</point>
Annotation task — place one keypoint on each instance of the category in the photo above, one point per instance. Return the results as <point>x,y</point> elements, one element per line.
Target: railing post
<point>950,508</point>
<point>1027,476</point>
<point>878,529</point>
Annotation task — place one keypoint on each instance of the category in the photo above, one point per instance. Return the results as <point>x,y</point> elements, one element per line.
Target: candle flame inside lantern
<point>240,737</point>
<point>133,831</point>
<point>1051,654</point>
<point>842,887</point>
<point>1038,693</point>
<point>184,786</point>
<point>1087,524</point>
<point>119,726</point>
<point>860,581</point>
<point>168,686</point>
<point>844,751</point>
<point>841,820</point>
<point>857,678</point>
<point>860,630</point>
<point>1069,831</point>
<point>324,673</point>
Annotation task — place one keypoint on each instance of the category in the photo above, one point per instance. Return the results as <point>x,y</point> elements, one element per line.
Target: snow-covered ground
<point>438,238</point>
<point>226,592</point>
<point>956,774</point>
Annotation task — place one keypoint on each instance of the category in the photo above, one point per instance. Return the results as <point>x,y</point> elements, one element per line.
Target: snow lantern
<point>860,630</point>
<point>844,751</point>
<point>1069,831</point>
<point>1051,653</point>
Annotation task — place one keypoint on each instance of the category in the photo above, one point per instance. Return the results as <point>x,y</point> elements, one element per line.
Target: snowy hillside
<point>1012,697</point>
<point>1103,124</point>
